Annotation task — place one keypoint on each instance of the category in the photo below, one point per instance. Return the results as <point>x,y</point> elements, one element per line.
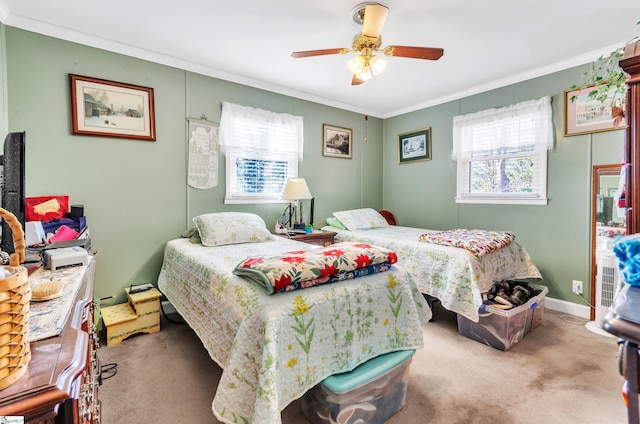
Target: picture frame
<point>414,146</point>
<point>585,116</point>
<point>111,109</point>
<point>336,141</point>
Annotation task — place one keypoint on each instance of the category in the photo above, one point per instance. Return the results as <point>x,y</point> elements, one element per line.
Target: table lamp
<point>296,189</point>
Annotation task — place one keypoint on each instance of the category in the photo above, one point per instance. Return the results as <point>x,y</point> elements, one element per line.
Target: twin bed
<point>274,347</point>
<point>455,276</point>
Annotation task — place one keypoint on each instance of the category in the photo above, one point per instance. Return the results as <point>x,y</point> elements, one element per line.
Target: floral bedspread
<point>274,348</point>
<point>455,276</point>
<point>304,268</point>
<point>478,242</point>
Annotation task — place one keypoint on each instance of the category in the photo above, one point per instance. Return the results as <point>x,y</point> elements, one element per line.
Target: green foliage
<point>606,80</point>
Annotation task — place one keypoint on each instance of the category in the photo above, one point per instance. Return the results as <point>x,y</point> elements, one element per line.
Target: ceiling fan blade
<point>356,81</point>
<point>428,53</point>
<point>308,53</point>
<point>374,17</point>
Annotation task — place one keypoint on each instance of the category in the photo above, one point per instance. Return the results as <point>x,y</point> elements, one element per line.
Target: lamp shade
<point>296,189</point>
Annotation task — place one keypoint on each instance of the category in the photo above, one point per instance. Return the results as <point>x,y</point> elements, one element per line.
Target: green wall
<point>558,235</point>
<point>136,195</point>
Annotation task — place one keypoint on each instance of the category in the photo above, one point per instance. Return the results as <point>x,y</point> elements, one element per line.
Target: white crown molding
<point>534,73</point>
<point>85,39</point>
<point>155,57</point>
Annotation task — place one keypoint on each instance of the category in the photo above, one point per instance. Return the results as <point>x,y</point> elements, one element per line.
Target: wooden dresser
<point>62,378</point>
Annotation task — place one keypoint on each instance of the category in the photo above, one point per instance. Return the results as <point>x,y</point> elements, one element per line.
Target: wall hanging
<point>111,109</point>
<point>203,153</point>
<point>414,146</point>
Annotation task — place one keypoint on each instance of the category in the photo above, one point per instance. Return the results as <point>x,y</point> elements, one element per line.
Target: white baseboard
<point>168,308</point>
<point>582,311</point>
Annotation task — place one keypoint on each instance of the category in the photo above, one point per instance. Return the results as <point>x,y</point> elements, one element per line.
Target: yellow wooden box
<point>140,315</point>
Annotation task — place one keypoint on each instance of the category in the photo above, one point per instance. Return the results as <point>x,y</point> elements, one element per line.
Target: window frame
<point>255,134</point>
<point>537,199</point>
<point>233,197</point>
<point>538,154</point>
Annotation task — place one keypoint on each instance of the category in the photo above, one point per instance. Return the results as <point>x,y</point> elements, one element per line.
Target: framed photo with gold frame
<point>583,115</point>
<point>111,109</point>
<point>414,146</point>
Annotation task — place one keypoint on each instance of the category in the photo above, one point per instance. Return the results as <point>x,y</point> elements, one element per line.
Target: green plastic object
<point>342,383</point>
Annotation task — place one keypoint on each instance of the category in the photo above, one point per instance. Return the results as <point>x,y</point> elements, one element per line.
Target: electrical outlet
<point>577,287</point>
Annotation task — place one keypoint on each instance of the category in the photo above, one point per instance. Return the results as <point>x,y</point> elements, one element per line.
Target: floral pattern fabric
<point>478,242</point>
<point>274,348</point>
<point>310,267</point>
<point>455,276</point>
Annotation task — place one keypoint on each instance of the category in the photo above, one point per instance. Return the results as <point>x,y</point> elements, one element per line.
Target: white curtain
<point>256,129</point>
<point>512,127</point>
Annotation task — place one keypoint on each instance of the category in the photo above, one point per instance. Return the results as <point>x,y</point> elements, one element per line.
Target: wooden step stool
<point>140,315</point>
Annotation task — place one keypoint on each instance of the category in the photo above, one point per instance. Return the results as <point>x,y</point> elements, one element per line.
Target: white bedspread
<point>274,348</point>
<point>454,275</point>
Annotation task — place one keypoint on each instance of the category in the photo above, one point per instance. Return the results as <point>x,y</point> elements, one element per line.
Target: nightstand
<point>320,238</point>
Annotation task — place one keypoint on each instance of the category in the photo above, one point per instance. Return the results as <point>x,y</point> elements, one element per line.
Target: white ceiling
<point>487,43</point>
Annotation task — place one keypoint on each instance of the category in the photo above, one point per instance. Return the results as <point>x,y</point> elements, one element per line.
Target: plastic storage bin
<point>500,328</point>
<point>370,393</point>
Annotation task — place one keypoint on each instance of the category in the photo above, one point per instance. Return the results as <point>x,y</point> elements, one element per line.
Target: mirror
<point>607,217</point>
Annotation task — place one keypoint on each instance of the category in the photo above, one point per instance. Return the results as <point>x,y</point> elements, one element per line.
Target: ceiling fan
<point>366,64</point>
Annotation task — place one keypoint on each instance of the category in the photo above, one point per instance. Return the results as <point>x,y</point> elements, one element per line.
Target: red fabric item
<point>46,208</point>
<point>391,220</point>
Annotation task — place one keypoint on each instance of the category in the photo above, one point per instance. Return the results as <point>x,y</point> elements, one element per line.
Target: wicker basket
<point>14,309</point>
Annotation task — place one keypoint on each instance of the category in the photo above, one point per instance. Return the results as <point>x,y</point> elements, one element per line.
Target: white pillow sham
<point>217,229</point>
<point>361,219</point>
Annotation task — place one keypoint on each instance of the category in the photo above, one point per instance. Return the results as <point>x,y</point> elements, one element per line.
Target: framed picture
<point>414,146</point>
<point>336,141</point>
<point>111,109</point>
<point>583,115</point>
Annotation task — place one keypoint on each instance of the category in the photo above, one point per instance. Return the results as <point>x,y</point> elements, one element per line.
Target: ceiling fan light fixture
<point>371,15</point>
<point>357,64</point>
<point>377,65</point>
<point>365,75</point>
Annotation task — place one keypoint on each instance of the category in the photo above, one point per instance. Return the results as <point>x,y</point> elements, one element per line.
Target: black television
<point>13,187</point>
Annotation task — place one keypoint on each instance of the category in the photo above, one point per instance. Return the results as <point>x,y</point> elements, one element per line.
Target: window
<point>262,150</point>
<point>501,154</point>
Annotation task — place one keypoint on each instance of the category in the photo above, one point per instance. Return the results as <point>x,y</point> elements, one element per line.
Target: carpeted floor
<point>559,373</point>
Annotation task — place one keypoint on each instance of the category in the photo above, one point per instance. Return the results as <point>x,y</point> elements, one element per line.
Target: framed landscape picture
<point>111,109</point>
<point>336,141</point>
<point>414,146</point>
<point>583,115</point>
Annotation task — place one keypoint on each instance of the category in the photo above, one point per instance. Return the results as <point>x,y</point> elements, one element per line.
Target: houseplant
<point>607,82</point>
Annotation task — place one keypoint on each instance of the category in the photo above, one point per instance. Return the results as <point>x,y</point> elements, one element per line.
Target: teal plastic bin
<point>371,392</point>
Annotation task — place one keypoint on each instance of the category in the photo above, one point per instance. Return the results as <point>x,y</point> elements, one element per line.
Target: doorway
<point>607,216</point>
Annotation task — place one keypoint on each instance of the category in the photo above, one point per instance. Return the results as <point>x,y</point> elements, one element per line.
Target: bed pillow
<point>222,228</point>
<point>361,219</point>
<point>335,222</point>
